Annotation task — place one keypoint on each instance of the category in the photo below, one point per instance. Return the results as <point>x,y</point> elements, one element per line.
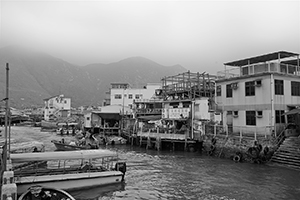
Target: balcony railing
<point>149,111</point>
<point>280,68</point>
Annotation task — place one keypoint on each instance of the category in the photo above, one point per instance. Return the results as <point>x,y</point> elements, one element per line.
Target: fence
<point>241,131</point>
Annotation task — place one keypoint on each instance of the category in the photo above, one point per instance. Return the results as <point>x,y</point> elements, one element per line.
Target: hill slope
<point>34,76</point>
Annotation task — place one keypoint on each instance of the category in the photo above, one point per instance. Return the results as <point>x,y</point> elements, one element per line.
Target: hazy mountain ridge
<point>34,76</point>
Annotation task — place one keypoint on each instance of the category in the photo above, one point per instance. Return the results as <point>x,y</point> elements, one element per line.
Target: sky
<point>199,35</point>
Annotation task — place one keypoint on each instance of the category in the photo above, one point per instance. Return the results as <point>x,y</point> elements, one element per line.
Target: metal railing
<point>240,131</point>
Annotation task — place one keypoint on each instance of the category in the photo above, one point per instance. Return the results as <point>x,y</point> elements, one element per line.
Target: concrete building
<point>254,93</point>
<point>57,106</point>
<point>123,94</point>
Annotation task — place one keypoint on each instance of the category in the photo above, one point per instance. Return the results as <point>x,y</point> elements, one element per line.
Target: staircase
<point>288,153</point>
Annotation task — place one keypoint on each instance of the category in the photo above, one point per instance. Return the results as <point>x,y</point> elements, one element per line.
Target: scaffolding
<point>188,86</point>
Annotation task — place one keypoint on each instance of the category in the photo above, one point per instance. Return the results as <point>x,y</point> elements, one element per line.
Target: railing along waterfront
<point>167,133</point>
<point>241,131</point>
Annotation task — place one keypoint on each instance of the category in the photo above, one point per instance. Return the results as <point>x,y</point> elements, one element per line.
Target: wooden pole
<point>5,155</point>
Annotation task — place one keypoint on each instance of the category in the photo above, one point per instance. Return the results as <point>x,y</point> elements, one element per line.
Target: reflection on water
<point>182,175</point>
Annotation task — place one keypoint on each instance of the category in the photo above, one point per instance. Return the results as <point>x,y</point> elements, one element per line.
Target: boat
<point>116,140</point>
<point>40,192</point>
<point>112,140</point>
<point>61,146</point>
<point>27,147</point>
<point>48,124</point>
<point>70,171</point>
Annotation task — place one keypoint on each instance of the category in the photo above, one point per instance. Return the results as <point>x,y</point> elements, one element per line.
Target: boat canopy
<point>62,155</point>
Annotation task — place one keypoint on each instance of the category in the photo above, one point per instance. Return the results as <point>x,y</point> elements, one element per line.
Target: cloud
<point>195,34</point>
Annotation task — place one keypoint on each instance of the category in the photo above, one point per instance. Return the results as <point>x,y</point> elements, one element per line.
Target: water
<point>179,175</point>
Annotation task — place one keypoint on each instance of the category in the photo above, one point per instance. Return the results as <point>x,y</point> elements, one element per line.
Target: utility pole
<point>5,153</point>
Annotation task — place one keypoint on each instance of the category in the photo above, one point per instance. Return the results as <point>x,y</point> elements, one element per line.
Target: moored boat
<point>71,171</point>
<point>27,147</point>
<point>48,124</point>
<point>40,192</point>
<point>60,146</point>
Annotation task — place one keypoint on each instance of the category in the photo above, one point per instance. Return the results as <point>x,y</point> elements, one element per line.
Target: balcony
<point>273,67</point>
<point>149,111</point>
<point>281,62</point>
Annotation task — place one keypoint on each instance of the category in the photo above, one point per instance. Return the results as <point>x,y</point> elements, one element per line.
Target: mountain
<point>34,76</point>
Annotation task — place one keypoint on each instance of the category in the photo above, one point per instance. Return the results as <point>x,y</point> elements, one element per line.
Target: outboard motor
<point>121,166</point>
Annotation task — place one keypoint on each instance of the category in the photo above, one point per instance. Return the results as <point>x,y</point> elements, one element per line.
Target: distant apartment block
<point>123,94</point>
<point>57,106</point>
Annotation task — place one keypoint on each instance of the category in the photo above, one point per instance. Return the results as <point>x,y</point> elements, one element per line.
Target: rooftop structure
<point>278,62</point>
<point>188,86</point>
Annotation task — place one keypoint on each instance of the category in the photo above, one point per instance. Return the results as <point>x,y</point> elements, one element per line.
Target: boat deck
<point>40,172</point>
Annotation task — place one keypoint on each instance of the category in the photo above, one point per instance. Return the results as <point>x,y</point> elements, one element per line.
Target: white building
<point>123,94</point>
<point>254,93</point>
<point>57,106</point>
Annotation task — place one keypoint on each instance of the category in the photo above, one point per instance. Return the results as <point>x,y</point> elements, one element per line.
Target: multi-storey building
<point>123,94</point>
<point>254,93</point>
<point>57,106</point>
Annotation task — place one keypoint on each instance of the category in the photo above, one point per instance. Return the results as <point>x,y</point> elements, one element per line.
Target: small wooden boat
<point>27,147</point>
<point>70,171</point>
<point>112,140</point>
<point>48,124</point>
<point>40,192</point>
<point>60,146</point>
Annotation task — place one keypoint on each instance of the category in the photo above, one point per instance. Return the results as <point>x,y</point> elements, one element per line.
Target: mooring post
<point>173,146</point>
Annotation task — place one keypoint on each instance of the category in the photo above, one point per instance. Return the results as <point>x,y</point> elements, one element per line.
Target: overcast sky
<point>199,35</point>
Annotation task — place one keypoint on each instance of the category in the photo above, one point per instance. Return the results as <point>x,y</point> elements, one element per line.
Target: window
<point>137,96</point>
<point>130,96</point>
<point>250,118</point>
<point>65,101</point>
<point>219,90</point>
<point>245,71</point>
<point>118,96</point>
<point>228,91</point>
<point>250,88</point>
<point>278,87</point>
<point>88,118</point>
<point>295,88</point>
<point>279,117</point>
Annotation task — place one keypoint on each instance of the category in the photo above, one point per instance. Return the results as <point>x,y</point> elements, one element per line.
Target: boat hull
<point>69,182</point>
<point>52,192</point>
<point>67,147</point>
<point>48,124</point>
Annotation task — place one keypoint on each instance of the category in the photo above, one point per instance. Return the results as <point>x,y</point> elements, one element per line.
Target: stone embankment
<point>240,149</point>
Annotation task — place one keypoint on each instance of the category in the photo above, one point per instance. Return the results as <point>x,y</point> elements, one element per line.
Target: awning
<point>150,117</point>
<point>292,112</point>
<point>115,116</point>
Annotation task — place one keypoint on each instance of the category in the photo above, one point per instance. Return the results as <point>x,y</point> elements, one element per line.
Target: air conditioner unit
<point>259,114</point>
<point>234,86</point>
<point>258,83</point>
<point>235,114</point>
